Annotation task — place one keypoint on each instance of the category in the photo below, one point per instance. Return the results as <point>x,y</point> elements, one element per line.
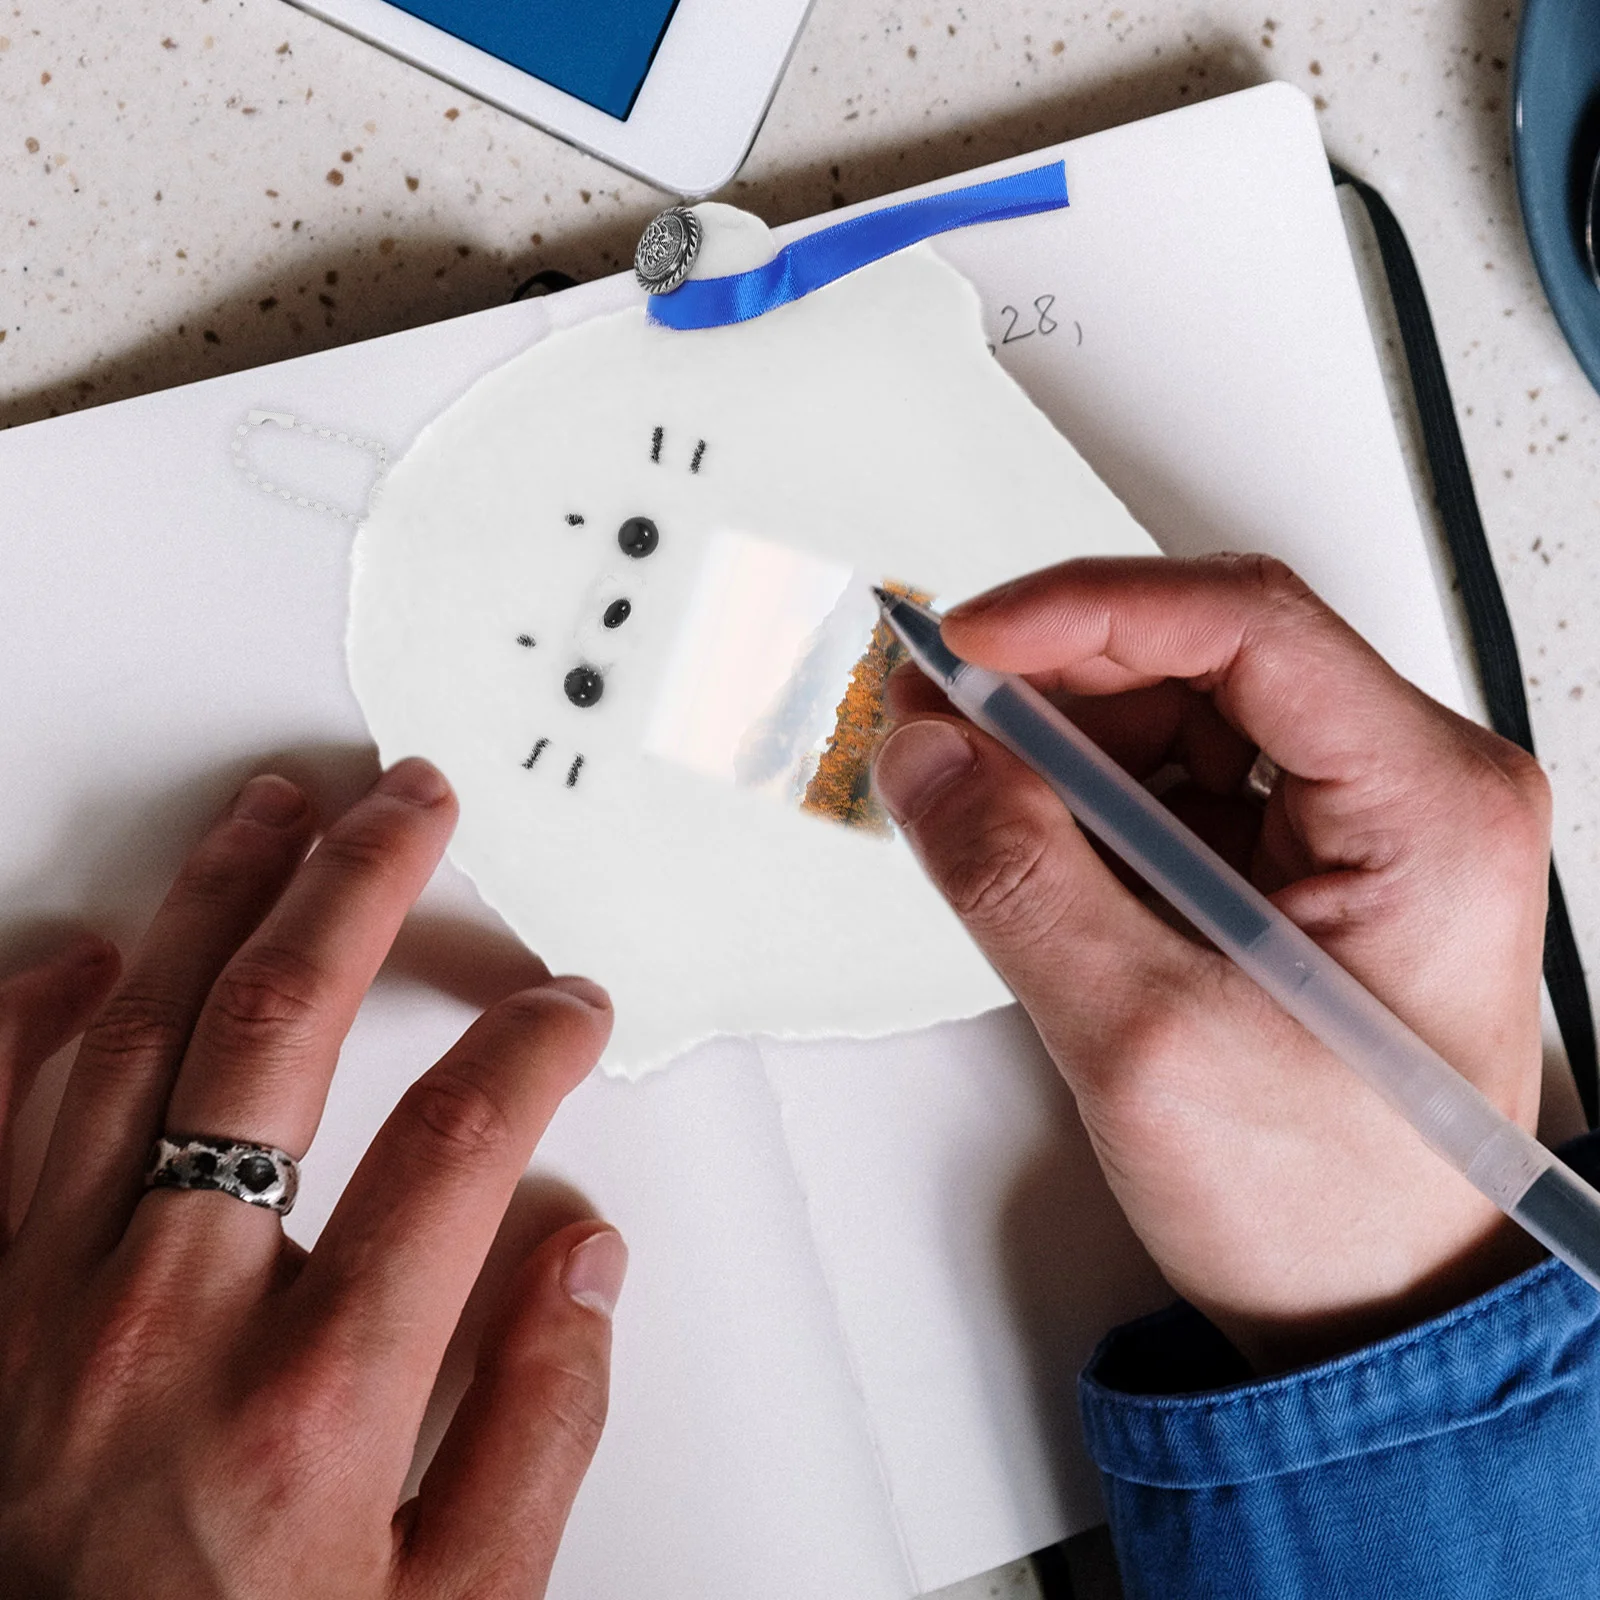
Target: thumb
<point>492,1506</point>
<point>1075,947</point>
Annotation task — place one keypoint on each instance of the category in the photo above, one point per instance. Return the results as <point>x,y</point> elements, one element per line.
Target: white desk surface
<point>205,188</point>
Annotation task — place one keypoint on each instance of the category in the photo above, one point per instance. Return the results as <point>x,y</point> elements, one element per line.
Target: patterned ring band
<point>258,1174</point>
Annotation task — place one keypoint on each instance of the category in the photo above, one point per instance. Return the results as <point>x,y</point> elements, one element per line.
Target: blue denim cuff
<point>1460,1458</point>
<point>1516,1346</point>
<point>1167,1401</point>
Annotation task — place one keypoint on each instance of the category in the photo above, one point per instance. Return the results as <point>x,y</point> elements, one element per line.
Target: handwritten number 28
<point>1043,322</point>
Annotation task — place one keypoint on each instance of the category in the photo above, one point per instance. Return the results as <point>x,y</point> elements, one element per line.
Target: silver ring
<point>667,249</point>
<point>258,1174</point>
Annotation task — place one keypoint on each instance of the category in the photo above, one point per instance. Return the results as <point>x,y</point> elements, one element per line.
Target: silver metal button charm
<point>667,249</point>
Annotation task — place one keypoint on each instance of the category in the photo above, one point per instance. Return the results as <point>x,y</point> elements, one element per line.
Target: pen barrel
<point>1504,1162</point>
<point>1496,1156</point>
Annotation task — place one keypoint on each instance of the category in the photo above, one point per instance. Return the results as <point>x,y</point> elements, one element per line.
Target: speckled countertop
<point>190,187</point>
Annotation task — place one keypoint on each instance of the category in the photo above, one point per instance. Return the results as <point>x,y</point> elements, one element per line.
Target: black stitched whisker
<point>573,770</point>
<point>534,754</point>
<point>526,640</point>
<point>699,454</point>
<point>655,443</point>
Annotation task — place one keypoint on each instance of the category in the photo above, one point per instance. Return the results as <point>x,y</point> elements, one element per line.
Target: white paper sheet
<point>865,424</point>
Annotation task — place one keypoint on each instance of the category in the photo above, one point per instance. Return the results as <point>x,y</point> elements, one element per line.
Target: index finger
<point>400,1254</point>
<point>1287,672</point>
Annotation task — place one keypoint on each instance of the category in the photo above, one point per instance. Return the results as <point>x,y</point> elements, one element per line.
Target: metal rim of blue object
<point>822,257</point>
<point>1555,129</point>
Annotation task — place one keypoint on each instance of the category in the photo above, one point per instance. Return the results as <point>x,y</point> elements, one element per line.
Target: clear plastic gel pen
<point>1497,1157</point>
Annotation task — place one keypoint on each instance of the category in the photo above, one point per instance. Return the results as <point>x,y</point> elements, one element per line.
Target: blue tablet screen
<point>598,51</point>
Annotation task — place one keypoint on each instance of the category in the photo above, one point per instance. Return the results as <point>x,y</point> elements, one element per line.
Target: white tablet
<point>672,90</point>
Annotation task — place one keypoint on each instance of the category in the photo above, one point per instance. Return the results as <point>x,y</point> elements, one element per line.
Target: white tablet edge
<point>696,114</point>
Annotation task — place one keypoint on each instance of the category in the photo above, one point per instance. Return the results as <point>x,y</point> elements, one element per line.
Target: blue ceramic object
<point>1555,140</point>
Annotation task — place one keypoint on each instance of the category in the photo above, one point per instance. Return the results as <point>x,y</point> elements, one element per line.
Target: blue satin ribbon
<point>830,253</point>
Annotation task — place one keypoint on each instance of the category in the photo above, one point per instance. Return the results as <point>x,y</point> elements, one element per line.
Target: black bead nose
<point>638,536</point>
<point>584,686</point>
<point>617,613</point>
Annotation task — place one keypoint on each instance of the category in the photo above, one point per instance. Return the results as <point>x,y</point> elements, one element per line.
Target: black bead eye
<point>584,686</point>
<point>638,537</point>
<point>617,613</point>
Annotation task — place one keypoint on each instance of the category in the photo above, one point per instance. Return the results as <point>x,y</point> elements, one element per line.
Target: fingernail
<point>415,781</point>
<point>917,762</point>
<point>590,993</point>
<point>272,801</point>
<point>986,601</point>
<point>594,1271</point>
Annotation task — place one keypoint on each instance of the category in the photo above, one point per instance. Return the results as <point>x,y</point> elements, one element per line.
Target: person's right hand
<point>1273,1188</point>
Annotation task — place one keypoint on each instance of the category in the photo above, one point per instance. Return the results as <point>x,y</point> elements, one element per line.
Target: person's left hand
<point>190,1404</point>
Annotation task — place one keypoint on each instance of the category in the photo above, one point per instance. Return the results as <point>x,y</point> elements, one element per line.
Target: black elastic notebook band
<point>1487,617</point>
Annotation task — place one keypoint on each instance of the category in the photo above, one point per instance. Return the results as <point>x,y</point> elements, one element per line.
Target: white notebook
<point>864,1275</point>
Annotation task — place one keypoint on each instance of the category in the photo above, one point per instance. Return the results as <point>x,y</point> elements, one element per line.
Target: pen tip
<point>883,597</point>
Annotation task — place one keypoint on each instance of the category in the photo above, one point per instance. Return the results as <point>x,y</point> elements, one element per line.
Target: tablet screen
<point>598,51</point>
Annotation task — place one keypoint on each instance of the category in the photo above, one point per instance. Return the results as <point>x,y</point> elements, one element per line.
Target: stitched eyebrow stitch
<point>573,770</point>
<point>526,640</point>
<point>699,455</point>
<point>574,519</point>
<point>534,754</point>
<point>655,443</point>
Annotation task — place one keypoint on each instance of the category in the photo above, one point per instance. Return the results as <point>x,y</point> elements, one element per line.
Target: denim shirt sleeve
<point>1460,1459</point>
